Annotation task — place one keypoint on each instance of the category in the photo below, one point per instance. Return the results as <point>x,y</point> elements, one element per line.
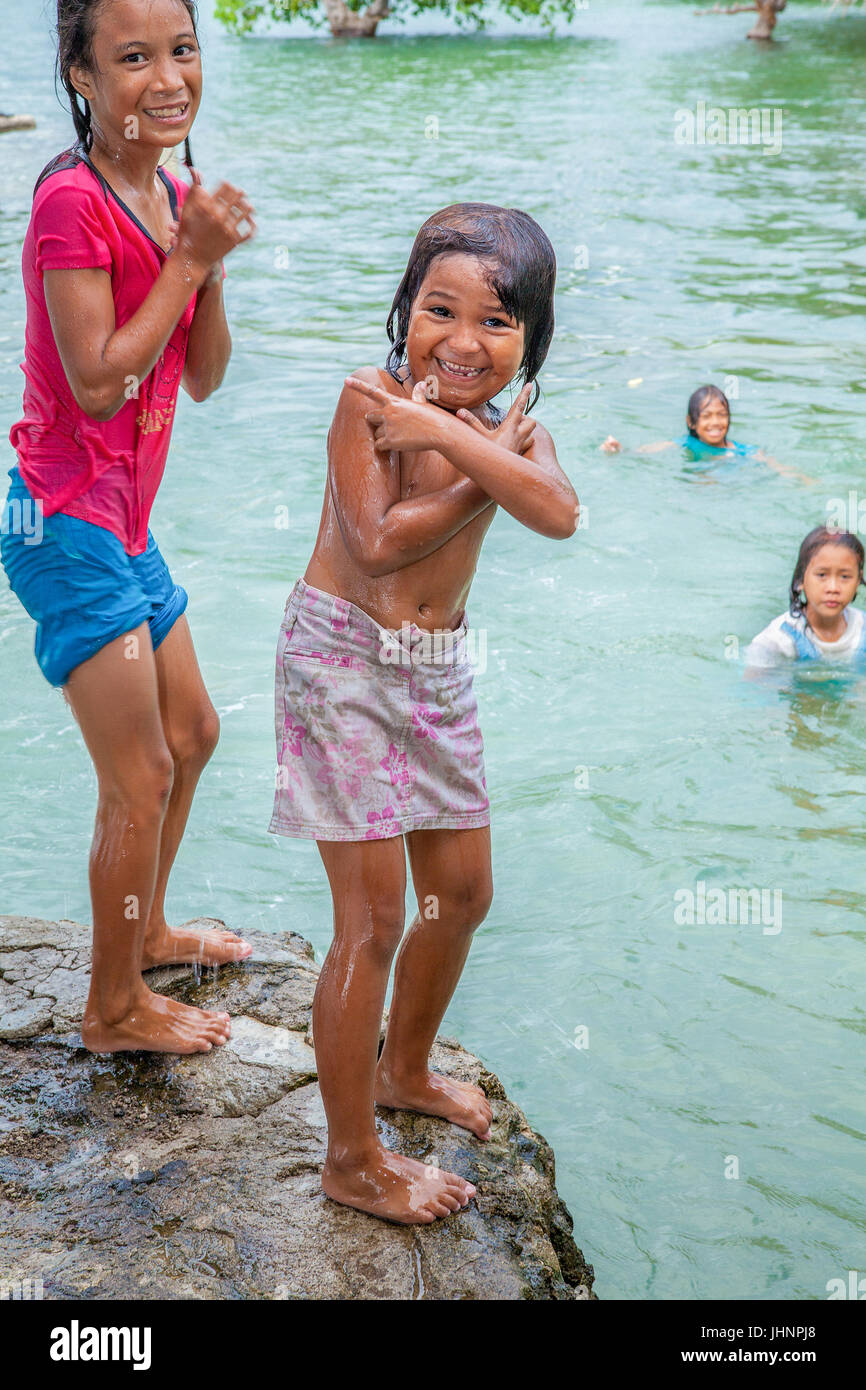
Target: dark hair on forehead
<point>822,535</point>
<point>698,399</point>
<point>76,26</point>
<point>522,274</point>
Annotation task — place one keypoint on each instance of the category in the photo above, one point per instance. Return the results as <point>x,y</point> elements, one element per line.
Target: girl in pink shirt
<point>123,276</point>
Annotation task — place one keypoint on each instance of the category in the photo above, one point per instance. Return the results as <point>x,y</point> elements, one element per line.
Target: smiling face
<point>146,66</point>
<point>460,339</point>
<point>711,425</point>
<point>830,581</point>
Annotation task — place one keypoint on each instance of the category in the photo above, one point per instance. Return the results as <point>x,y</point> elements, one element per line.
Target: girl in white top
<point>820,625</point>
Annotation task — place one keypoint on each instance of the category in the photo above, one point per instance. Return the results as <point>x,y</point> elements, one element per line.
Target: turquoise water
<point>626,757</point>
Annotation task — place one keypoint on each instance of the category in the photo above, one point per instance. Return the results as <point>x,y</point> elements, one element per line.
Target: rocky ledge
<point>146,1177</point>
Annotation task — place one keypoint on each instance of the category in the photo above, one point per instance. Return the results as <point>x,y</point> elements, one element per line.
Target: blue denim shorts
<point>79,585</point>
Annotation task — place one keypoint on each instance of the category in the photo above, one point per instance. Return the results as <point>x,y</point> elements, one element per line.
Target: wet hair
<point>76,25</point>
<point>698,399</point>
<point>522,275</point>
<point>821,535</point>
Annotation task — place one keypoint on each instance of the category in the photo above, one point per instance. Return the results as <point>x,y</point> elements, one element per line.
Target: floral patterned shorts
<point>377,730</point>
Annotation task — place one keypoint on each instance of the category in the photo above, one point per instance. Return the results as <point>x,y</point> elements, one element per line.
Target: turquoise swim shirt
<point>702,450</point>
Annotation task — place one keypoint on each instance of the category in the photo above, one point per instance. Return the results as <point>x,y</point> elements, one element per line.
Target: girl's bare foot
<point>156,1024</point>
<point>395,1188</point>
<point>434,1094</point>
<point>164,945</point>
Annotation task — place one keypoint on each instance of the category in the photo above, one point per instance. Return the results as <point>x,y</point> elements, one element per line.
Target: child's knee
<point>387,924</point>
<point>158,784</point>
<point>374,927</point>
<point>467,904</point>
<point>140,788</point>
<point>208,732</point>
<point>195,743</point>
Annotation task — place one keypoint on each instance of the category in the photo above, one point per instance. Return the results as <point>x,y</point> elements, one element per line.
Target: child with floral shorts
<point>379,749</point>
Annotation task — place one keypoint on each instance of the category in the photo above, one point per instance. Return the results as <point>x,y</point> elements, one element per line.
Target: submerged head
<point>709,416</point>
<point>126,61</point>
<point>474,309</point>
<point>827,575</point>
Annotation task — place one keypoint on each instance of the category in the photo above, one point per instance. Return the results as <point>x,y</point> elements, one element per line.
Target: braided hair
<point>75,30</point>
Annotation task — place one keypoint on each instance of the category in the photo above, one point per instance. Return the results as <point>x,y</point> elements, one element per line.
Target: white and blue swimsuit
<point>787,637</point>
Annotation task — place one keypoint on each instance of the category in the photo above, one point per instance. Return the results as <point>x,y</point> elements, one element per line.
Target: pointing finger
<point>520,400</point>
<point>527,436</point>
<point>524,396</point>
<point>374,392</point>
<point>469,419</point>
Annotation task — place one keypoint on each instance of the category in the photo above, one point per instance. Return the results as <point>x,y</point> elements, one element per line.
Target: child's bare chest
<point>425,471</point>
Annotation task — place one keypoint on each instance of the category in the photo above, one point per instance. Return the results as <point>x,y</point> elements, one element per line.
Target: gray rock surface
<point>143,1176</point>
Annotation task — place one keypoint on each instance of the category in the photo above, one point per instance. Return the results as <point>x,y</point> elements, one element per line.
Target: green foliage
<point>240,16</point>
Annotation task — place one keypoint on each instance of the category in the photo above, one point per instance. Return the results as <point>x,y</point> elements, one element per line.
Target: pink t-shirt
<point>103,471</point>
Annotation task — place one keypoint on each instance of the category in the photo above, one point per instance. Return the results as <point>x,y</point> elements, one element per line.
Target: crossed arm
<point>384,532</point>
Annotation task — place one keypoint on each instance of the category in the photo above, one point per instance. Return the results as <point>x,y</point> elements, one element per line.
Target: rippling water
<point>626,757</point>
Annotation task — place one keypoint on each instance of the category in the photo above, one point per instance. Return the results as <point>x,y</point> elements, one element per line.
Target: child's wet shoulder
<point>353,405</point>
<point>378,376</point>
<point>542,431</point>
<point>356,402</point>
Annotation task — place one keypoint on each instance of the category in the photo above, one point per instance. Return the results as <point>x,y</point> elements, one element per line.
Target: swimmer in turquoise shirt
<point>708,419</point>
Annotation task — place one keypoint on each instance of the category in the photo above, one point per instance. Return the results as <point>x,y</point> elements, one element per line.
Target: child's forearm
<point>782,468</point>
<point>132,351</point>
<point>417,526</point>
<point>656,447</point>
<point>209,346</point>
<point>517,483</point>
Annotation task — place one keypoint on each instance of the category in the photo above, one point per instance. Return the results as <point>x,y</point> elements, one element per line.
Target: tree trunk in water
<point>766,22</point>
<point>358,23</point>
